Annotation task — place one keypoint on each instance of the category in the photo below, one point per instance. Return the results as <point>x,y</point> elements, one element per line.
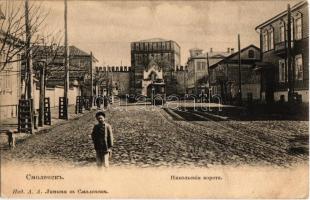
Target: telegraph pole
<point>91,79</point>
<point>42,93</point>
<point>29,95</point>
<point>289,58</point>
<point>28,51</point>
<point>208,70</point>
<point>239,70</point>
<point>66,83</point>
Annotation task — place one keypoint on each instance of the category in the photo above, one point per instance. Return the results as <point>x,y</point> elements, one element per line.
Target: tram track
<point>242,142</point>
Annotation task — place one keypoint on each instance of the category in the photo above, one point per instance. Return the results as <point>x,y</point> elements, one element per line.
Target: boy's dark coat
<point>102,137</point>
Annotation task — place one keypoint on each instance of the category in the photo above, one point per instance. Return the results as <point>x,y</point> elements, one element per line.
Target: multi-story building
<point>10,69</point>
<point>10,86</point>
<point>197,67</point>
<point>159,55</point>
<point>224,76</point>
<point>274,46</point>
<point>81,65</point>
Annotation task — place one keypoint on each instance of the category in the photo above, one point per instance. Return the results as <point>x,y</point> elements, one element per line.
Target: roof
<point>73,51</point>
<point>218,54</point>
<point>212,55</point>
<point>283,13</point>
<point>157,40</point>
<point>245,48</point>
<point>196,49</point>
<point>234,54</point>
<point>154,40</point>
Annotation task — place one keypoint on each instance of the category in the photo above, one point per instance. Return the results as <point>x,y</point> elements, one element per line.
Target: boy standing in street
<point>102,137</point>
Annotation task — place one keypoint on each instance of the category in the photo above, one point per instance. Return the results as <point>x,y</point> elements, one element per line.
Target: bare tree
<point>13,30</point>
<point>44,56</point>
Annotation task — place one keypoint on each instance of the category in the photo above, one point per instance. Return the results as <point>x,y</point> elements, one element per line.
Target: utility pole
<point>29,95</point>
<point>239,70</point>
<point>289,58</point>
<point>28,51</point>
<point>42,93</point>
<point>195,76</point>
<point>91,79</point>
<point>208,70</point>
<point>66,83</point>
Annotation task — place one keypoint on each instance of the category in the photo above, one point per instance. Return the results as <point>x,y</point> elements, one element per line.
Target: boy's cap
<point>100,113</point>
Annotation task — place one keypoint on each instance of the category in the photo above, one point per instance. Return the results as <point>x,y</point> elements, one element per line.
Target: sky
<point>108,27</point>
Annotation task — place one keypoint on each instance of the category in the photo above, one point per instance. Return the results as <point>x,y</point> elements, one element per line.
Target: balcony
<point>280,48</point>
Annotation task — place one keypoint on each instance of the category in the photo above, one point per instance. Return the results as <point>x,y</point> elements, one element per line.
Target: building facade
<point>10,87</point>
<point>166,55</point>
<point>224,76</point>
<point>274,45</point>
<point>198,68</point>
<point>81,66</point>
<point>10,73</point>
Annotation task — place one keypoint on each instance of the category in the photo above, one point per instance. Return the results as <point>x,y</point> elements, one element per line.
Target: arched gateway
<point>153,82</point>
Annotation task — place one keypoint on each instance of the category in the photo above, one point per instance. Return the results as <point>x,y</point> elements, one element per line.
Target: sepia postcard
<point>154,99</point>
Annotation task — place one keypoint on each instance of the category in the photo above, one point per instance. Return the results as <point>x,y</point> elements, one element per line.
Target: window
<point>8,80</point>
<point>6,77</point>
<point>251,54</point>
<point>292,30</point>
<point>282,70</point>
<point>157,57</point>
<point>1,82</point>
<point>168,46</point>
<point>203,65</point>
<point>298,67</point>
<point>298,34</point>
<point>265,41</point>
<point>150,46</point>
<point>271,45</point>
<point>268,40</point>
<point>282,33</point>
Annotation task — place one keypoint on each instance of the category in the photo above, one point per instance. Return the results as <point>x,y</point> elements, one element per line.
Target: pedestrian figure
<point>105,102</point>
<point>102,137</point>
<point>98,102</point>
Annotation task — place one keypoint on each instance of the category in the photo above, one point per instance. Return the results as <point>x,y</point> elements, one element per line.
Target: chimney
<point>232,50</point>
<point>228,50</point>
<point>211,50</point>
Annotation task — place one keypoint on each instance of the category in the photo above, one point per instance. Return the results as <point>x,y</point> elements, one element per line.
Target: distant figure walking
<point>105,102</point>
<point>99,101</point>
<point>102,137</point>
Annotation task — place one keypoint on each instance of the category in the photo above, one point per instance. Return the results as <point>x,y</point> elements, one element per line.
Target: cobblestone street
<point>164,137</point>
